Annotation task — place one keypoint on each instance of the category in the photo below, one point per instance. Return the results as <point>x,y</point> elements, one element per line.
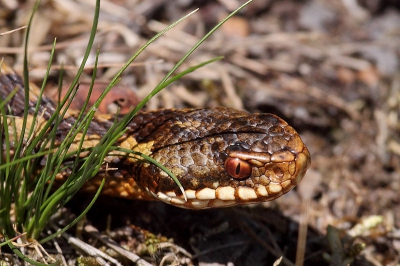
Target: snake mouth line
<point>221,197</point>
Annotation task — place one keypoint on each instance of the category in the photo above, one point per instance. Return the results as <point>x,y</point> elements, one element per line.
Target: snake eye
<point>237,168</point>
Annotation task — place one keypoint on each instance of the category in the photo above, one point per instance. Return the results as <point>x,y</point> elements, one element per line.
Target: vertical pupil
<point>238,169</point>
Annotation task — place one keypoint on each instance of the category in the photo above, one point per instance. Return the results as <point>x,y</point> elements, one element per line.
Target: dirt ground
<point>331,69</point>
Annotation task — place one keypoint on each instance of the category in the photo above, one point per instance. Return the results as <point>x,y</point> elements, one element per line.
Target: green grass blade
<point>77,219</point>
<point>25,258</point>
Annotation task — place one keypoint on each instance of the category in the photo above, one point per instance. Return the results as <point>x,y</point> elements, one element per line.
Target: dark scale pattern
<point>207,160</point>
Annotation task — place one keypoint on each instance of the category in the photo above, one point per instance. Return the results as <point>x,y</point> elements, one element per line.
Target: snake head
<point>223,157</point>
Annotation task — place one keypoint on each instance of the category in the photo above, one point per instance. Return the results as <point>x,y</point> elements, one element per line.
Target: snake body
<point>221,156</point>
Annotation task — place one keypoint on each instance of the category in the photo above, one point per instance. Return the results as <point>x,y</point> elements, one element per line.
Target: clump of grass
<point>32,158</point>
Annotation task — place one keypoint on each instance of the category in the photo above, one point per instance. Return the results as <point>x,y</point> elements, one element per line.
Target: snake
<point>221,156</point>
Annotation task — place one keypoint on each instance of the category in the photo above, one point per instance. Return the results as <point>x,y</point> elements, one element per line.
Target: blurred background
<point>330,68</point>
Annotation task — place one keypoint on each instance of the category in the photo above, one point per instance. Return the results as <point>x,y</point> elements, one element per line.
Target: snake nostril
<point>237,168</point>
<point>121,101</point>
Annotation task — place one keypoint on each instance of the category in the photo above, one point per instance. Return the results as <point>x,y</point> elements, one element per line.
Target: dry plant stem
<point>302,237</point>
<point>233,99</point>
<point>296,85</point>
<point>221,247</point>
<point>271,238</point>
<point>11,31</point>
<point>257,67</point>
<point>100,66</point>
<point>262,221</point>
<point>186,96</point>
<point>48,47</point>
<point>169,257</point>
<point>173,36</point>
<point>60,252</point>
<point>259,240</point>
<point>111,244</point>
<point>90,250</point>
<point>175,247</point>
